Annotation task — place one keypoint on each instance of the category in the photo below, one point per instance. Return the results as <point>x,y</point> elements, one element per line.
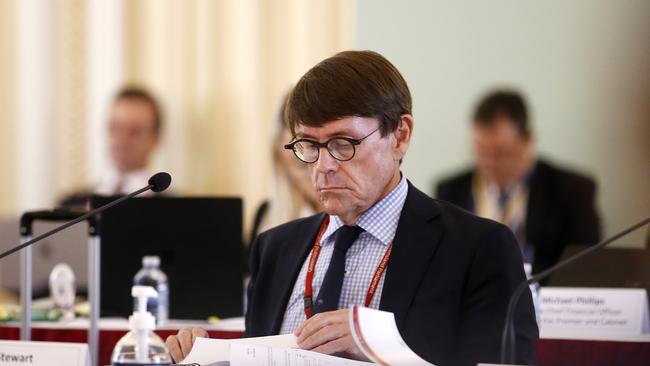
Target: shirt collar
<point>130,181</point>
<point>380,220</point>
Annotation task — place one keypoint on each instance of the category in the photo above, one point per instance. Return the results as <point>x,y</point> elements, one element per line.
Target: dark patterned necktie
<point>330,291</point>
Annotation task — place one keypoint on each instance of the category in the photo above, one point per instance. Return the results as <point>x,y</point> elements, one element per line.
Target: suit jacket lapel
<point>294,253</point>
<point>414,244</point>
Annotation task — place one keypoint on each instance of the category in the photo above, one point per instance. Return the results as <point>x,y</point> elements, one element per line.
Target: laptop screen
<point>608,267</point>
<point>198,240</point>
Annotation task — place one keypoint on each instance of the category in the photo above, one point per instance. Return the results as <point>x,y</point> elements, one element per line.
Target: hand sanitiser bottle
<point>141,346</point>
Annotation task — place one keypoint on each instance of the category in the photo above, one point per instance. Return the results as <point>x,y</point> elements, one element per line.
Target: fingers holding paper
<point>329,333</point>
<point>180,345</point>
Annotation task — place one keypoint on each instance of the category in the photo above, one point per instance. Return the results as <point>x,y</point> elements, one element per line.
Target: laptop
<point>68,246</point>
<point>199,242</point>
<point>608,267</point>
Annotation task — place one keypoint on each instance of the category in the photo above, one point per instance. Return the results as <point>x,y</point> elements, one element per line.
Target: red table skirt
<point>572,352</point>
<point>550,352</point>
<point>107,338</point>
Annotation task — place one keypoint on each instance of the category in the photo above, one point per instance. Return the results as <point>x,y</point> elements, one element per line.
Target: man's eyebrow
<point>342,133</point>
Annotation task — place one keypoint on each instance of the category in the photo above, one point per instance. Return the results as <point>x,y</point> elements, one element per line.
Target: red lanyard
<point>308,299</point>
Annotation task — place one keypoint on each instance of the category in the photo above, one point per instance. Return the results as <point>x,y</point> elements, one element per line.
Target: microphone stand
<point>157,183</point>
<point>94,263</point>
<point>508,337</point>
<point>72,222</point>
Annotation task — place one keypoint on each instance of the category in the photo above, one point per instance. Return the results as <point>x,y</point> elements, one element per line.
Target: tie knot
<point>345,236</point>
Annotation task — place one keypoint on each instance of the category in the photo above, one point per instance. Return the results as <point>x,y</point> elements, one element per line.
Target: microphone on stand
<point>157,183</point>
<point>508,344</point>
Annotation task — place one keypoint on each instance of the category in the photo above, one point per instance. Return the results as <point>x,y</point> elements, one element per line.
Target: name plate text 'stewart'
<point>43,353</point>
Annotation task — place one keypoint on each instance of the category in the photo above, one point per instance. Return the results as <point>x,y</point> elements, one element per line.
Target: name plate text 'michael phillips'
<point>43,353</point>
<point>606,310</point>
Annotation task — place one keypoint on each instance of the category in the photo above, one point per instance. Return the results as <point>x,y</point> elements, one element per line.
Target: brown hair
<point>137,93</point>
<point>350,83</point>
<point>503,103</point>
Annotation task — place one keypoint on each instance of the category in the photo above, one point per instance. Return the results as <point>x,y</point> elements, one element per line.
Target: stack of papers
<point>374,332</point>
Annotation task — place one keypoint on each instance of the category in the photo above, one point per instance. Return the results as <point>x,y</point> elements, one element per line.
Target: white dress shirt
<point>116,183</point>
<point>361,260</point>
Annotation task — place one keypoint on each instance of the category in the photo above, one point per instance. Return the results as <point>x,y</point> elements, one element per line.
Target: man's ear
<point>402,136</point>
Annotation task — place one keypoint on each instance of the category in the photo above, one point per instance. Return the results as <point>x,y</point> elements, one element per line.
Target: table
<point>552,349</point>
<point>558,348</point>
<point>111,330</point>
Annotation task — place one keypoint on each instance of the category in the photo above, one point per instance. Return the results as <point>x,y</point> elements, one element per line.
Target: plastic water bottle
<point>151,275</point>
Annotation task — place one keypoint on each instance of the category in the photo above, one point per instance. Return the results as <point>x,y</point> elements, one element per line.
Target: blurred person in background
<point>545,206</point>
<point>135,126</point>
<point>292,195</point>
<point>134,131</point>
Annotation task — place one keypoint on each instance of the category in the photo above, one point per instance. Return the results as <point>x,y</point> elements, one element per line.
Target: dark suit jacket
<point>561,210</point>
<point>448,281</point>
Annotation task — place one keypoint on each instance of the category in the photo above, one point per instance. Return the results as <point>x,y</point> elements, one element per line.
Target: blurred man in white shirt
<point>135,127</point>
<point>134,133</point>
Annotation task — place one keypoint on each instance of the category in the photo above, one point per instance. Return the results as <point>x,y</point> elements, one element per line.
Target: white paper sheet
<point>208,351</point>
<point>257,355</point>
<point>376,334</point>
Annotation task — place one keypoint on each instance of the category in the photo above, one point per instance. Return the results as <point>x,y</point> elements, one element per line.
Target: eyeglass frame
<point>319,145</point>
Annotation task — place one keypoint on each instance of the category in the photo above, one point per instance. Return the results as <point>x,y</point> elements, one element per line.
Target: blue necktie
<point>330,291</point>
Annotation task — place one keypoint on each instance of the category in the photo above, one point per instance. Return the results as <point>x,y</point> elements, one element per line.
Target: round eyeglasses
<point>340,148</point>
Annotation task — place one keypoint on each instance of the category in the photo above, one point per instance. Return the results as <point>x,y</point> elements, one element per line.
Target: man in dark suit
<point>446,275</point>
<point>546,207</point>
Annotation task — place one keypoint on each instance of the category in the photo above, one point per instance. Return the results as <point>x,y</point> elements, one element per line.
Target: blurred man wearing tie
<point>546,207</point>
<point>134,132</point>
<point>134,129</point>
<point>447,275</point>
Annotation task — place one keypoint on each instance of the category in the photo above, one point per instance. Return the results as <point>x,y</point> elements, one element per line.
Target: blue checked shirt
<point>361,260</point>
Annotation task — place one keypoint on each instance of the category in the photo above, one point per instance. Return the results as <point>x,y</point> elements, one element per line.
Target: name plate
<point>594,310</point>
<point>43,353</point>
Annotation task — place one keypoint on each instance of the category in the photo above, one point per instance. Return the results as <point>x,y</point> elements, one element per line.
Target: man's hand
<point>179,345</point>
<point>329,333</point>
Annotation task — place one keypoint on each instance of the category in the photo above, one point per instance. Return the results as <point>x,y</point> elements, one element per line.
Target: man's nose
<point>325,163</point>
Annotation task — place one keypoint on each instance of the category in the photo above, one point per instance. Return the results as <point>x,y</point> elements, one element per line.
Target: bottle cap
<point>151,261</point>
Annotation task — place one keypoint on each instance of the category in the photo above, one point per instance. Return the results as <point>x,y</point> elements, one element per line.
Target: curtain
<point>219,68</point>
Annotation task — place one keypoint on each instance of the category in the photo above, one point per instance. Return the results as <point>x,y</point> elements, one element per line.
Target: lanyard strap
<point>308,298</point>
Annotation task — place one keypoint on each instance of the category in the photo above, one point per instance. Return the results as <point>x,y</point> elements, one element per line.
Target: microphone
<point>508,344</point>
<point>157,183</point>
<point>160,181</point>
